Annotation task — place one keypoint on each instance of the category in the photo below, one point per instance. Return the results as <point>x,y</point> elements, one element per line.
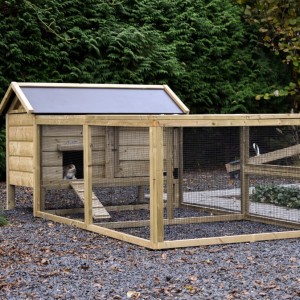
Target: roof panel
<point>90,100</point>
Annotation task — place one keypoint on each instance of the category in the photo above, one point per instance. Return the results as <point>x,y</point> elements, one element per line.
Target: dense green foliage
<point>279,24</point>
<point>202,48</point>
<point>278,195</point>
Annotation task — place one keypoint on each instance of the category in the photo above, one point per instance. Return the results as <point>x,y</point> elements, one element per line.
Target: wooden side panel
<point>20,166</point>
<point>20,178</point>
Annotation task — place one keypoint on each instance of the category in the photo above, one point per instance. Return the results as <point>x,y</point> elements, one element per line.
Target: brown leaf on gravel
<point>164,256</point>
<point>193,278</point>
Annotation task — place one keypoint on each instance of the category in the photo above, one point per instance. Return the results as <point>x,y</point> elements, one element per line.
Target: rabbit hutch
<point>130,162</point>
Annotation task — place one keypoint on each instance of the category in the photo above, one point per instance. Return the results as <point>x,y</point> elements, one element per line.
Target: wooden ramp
<point>98,210</point>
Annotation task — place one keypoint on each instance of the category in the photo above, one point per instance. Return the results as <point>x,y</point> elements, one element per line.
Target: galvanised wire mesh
<point>212,202</point>
<point>217,181</point>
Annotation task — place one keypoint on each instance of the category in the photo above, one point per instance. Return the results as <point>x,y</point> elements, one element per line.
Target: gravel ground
<point>40,259</point>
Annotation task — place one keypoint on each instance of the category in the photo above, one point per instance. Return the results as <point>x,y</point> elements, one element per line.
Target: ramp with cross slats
<point>98,210</point>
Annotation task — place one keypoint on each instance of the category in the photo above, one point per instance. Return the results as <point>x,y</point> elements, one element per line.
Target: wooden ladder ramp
<point>98,210</point>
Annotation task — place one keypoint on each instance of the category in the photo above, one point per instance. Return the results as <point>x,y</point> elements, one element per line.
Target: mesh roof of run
<point>100,100</point>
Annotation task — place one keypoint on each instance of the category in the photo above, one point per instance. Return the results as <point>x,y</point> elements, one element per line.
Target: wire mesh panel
<point>120,172</point>
<point>275,172</point>
<point>216,196</point>
<point>212,182</point>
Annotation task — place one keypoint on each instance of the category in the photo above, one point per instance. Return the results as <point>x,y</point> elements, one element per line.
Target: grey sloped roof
<point>42,98</point>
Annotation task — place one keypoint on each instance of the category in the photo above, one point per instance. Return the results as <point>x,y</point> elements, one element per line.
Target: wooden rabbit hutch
<point>147,172</point>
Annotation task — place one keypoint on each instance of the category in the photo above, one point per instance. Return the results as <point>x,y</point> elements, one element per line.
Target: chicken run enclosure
<point>160,180</point>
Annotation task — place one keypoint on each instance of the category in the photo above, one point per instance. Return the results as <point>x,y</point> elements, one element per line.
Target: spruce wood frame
<point>156,125</point>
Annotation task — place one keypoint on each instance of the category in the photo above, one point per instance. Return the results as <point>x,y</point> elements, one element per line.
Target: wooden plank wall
<point>20,133</point>
<point>117,152</point>
<point>52,158</point>
<point>132,157</point>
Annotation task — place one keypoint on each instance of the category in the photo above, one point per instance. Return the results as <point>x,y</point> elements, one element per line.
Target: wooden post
<point>244,158</point>
<point>87,173</point>
<point>38,196</point>
<point>170,168</point>
<point>10,189</point>
<point>156,185</point>
<point>179,161</point>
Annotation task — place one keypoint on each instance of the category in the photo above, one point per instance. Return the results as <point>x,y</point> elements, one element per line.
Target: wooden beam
<point>90,85</point>
<point>273,221</point>
<point>267,157</point>
<point>273,170</point>
<point>60,219</point>
<point>121,236</point>
<point>175,221</point>
<point>15,86</point>
<point>175,98</point>
<point>229,239</point>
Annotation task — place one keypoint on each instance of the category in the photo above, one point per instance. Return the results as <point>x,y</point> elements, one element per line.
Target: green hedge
<point>278,195</point>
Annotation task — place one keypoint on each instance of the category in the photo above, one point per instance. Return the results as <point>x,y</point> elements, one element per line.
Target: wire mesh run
<point>216,181</point>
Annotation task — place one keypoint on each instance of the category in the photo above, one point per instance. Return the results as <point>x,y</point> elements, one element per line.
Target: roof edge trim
<point>89,85</point>
<point>19,93</point>
<point>175,98</point>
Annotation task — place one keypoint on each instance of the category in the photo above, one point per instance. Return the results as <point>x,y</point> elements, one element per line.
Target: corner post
<point>10,189</point>
<point>156,185</point>
<point>38,197</point>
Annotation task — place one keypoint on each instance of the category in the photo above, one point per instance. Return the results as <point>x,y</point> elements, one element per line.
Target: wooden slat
<point>20,149</point>
<point>133,169</point>
<point>55,173</point>
<point>136,136</point>
<point>20,178</point>
<point>98,210</point>
<point>20,133</point>
<point>71,130</point>
<point>70,147</point>
<point>267,157</point>
<point>20,120</point>
<point>52,159</point>
<point>273,170</point>
<point>51,143</point>
<point>23,164</point>
<point>62,130</point>
<point>133,153</point>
